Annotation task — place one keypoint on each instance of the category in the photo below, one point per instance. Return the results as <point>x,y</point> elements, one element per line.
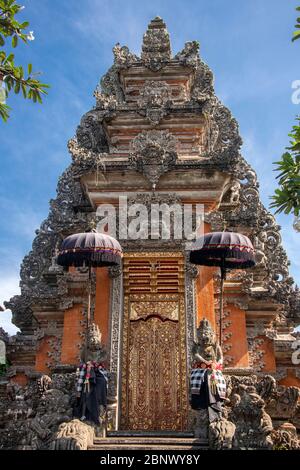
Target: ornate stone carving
<point>114,271</point>
<point>253,424</point>
<point>123,58</point>
<point>111,86</point>
<point>220,434</point>
<point>104,102</point>
<point>153,153</point>
<point>191,270</point>
<point>283,402</point>
<point>256,354</point>
<point>54,351</point>
<point>155,100</point>
<point>3,335</point>
<point>190,305</point>
<point>202,89</point>
<point>285,437</point>
<point>90,133</point>
<point>156,48</point>
<point>44,383</point>
<point>231,194</point>
<point>189,56</point>
<point>32,418</point>
<point>116,315</point>
<point>73,435</point>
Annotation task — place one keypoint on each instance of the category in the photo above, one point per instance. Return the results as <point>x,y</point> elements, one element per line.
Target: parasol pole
<point>88,316</point>
<point>223,277</point>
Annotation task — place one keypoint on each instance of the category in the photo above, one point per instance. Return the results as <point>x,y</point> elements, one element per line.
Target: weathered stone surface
<point>32,414</point>
<point>74,435</point>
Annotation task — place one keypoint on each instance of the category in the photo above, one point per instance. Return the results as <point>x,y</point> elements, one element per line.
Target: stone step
<point>149,440</point>
<point>143,434</point>
<point>148,443</point>
<point>156,447</point>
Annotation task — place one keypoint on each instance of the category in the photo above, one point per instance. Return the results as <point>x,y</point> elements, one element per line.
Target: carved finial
<point>156,48</point>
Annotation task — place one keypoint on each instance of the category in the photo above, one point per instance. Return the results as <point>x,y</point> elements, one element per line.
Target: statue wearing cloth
<point>207,384</point>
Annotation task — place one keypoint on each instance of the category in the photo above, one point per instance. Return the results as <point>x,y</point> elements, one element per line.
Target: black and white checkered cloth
<point>220,382</point>
<point>80,379</point>
<point>82,375</point>
<point>197,378</point>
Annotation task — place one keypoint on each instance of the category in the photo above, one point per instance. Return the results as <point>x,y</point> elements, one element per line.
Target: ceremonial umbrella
<point>90,249</point>
<point>228,250</point>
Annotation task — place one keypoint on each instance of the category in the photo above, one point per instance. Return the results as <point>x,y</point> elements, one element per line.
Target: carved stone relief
<point>153,153</point>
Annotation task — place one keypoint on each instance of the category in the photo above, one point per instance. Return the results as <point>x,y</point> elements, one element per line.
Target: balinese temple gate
<point>159,135</point>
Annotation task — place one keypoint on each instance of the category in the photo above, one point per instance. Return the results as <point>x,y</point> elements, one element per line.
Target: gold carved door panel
<point>154,384</point>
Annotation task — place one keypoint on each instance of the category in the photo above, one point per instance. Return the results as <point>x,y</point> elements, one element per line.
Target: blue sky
<point>246,43</point>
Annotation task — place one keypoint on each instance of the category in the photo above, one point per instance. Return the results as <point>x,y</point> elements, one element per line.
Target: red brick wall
<point>71,335</point>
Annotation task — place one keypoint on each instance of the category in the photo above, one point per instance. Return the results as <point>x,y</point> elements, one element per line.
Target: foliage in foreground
<point>287,197</point>
<point>13,77</point>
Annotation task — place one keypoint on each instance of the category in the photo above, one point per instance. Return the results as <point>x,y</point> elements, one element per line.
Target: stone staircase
<point>148,442</point>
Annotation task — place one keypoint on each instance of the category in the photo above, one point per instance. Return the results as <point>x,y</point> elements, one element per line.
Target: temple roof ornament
<point>156,47</point>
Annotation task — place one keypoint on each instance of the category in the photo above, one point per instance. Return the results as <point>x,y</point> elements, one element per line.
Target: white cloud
<point>9,287</point>
<point>6,324</point>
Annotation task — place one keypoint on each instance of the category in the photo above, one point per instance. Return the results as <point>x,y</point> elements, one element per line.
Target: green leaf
<point>29,69</point>
<point>2,42</point>
<point>296,35</point>
<point>17,87</point>
<point>15,41</point>
<point>10,58</point>
<point>4,111</point>
<point>24,90</point>
<point>24,25</point>
<point>38,96</point>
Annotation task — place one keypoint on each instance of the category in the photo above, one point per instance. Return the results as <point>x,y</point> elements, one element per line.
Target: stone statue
<point>95,352</point>
<point>253,424</point>
<point>44,383</point>
<point>207,412</point>
<point>206,350</point>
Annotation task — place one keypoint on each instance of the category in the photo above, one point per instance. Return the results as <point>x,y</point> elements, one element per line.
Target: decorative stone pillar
<point>115,344</point>
<point>191,273</point>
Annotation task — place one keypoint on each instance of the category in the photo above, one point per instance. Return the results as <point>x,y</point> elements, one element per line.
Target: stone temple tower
<point>158,135</point>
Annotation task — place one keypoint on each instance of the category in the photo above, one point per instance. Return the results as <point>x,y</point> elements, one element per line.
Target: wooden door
<point>154,388</point>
